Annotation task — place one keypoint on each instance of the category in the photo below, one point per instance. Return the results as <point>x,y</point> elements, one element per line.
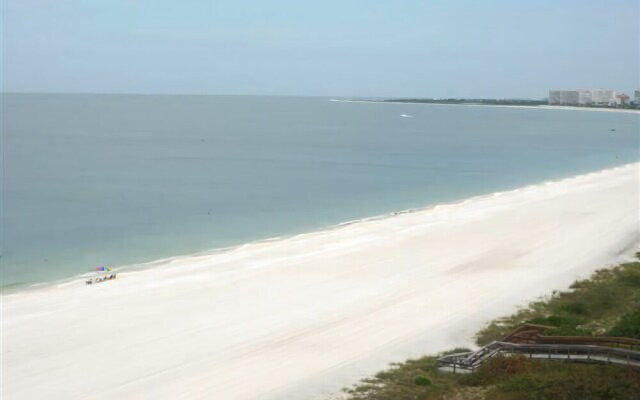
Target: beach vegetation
<point>422,380</point>
<point>591,307</point>
<point>606,304</point>
<point>413,379</point>
<point>456,351</point>
<point>628,326</point>
<point>501,378</point>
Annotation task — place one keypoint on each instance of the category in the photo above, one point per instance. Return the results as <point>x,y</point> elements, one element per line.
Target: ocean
<point>121,180</point>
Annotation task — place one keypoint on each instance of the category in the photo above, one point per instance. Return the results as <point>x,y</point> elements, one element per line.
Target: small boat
<point>406,116</point>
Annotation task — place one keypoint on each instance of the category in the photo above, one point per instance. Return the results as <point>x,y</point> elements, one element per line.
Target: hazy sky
<point>489,48</point>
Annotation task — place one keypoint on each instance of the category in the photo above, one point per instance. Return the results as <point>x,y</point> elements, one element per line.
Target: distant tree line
<point>496,102</point>
<point>508,102</point>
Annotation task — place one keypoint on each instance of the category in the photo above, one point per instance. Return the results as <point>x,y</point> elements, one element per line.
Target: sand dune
<point>300,317</point>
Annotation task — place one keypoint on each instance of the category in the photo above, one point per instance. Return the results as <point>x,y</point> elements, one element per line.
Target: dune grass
<point>608,303</point>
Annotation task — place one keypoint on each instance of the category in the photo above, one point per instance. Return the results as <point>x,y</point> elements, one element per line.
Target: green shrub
<point>500,367</point>
<point>588,382</point>
<point>631,277</point>
<point>628,326</point>
<point>581,284</point>
<point>473,379</point>
<point>564,324</point>
<point>456,351</point>
<point>382,375</point>
<point>560,381</point>
<point>575,308</point>
<point>520,384</point>
<point>422,380</point>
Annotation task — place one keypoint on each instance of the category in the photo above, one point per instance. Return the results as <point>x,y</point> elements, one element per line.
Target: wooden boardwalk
<point>529,341</point>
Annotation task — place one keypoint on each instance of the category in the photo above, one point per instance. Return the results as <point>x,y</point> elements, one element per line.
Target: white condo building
<point>563,97</point>
<point>582,97</point>
<point>603,96</point>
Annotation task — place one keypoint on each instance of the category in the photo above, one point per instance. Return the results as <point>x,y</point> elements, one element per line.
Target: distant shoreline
<point>542,107</point>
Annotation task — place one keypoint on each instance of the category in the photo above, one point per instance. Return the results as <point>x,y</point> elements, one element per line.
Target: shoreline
<point>306,315</point>
<point>542,107</point>
<point>180,258</point>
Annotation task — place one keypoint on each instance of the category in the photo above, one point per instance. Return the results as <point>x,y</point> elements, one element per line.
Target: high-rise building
<point>636,97</point>
<point>582,97</point>
<point>563,97</point>
<point>603,97</point>
<point>585,97</point>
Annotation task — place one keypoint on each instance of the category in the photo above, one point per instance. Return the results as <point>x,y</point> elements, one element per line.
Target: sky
<point>357,48</point>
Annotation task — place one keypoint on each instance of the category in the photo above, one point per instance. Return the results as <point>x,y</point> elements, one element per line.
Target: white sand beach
<point>298,318</point>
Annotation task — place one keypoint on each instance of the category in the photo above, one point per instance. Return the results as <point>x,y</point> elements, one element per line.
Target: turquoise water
<point>120,179</point>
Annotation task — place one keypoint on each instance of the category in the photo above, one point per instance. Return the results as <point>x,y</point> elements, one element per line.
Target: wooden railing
<point>534,334</point>
<point>529,340</point>
<point>469,362</point>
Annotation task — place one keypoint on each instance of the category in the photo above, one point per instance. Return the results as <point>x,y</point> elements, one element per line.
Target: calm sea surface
<point>93,180</point>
